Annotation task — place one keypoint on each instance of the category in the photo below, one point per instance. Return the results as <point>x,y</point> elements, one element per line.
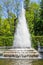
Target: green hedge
<point>6,41</point>
<point>35,40</point>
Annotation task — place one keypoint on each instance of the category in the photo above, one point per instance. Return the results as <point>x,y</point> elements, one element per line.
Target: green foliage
<point>41,6</point>
<point>0,11</point>
<point>6,28</point>
<point>6,40</point>
<point>27,4</point>
<point>38,21</point>
<point>35,40</point>
<point>30,16</point>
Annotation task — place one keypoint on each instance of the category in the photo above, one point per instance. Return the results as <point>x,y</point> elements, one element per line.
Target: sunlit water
<point>22,35</point>
<point>20,62</point>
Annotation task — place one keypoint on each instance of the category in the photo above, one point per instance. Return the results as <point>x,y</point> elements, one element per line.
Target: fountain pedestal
<point>21,53</point>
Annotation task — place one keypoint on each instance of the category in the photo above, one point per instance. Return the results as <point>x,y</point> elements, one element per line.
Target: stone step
<point>20,52</point>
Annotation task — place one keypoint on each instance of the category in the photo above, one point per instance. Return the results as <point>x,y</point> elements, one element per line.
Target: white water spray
<point>22,35</point>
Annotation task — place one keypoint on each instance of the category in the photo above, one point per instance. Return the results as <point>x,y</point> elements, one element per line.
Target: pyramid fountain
<point>22,35</point>
<point>22,43</point>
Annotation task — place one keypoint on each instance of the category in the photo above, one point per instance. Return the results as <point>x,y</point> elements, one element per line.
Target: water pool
<point>20,62</point>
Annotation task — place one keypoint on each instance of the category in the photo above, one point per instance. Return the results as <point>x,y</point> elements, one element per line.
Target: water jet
<point>22,44</point>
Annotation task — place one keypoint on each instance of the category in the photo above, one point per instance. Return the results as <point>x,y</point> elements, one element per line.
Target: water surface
<point>20,62</point>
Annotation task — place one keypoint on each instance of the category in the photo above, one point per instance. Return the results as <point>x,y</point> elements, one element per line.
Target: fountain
<point>22,35</point>
<point>21,45</point>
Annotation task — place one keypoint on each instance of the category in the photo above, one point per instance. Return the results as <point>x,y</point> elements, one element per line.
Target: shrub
<point>35,40</point>
<point>6,41</point>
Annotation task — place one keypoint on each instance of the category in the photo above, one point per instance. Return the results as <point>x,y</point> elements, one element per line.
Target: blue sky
<point>20,1</point>
<point>37,1</point>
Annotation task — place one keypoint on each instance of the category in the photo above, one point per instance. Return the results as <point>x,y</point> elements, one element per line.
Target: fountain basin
<point>20,53</point>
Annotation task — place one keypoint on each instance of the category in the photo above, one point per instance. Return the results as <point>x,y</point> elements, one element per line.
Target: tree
<point>36,19</point>
<point>41,18</point>
<point>33,11</point>
<point>0,18</point>
<point>7,7</point>
<point>38,27</point>
<point>41,6</point>
<point>0,12</point>
<point>26,5</point>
